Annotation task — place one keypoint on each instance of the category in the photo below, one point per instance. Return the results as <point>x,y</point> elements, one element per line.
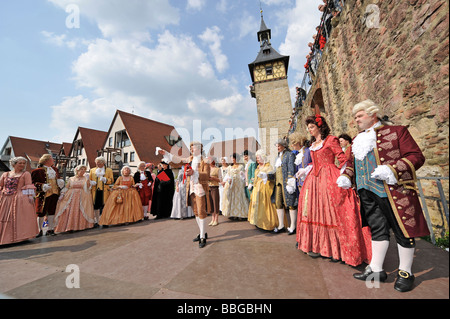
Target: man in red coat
<point>48,185</point>
<point>383,168</point>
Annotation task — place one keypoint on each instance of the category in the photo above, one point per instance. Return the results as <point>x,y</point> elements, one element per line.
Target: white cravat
<point>365,142</point>
<point>50,172</point>
<point>100,172</point>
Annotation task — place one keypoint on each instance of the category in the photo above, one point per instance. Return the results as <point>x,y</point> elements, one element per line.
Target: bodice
<point>11,184</point>
<point>78,183</point>
<point>325,153</point>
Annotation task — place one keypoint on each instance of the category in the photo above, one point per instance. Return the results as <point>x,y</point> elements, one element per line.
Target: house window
<point>110,142</point>
<point>269,70</point>
<point>84,161</point>
<point>125,158</point>
<point>132,156</point>
<point>122,139</point>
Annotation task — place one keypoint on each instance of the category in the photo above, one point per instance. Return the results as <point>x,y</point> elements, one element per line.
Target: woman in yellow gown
<point>262,212</point>
<point>123,204</point>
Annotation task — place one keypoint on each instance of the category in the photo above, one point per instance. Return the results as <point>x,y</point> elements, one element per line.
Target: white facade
<point>79,153</point>
<point>117,139</point>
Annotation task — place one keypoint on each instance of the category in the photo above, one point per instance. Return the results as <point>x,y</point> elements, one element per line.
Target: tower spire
<point>264,33</point>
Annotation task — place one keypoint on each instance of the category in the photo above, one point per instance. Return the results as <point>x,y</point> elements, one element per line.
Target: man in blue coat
<point>284,194</point>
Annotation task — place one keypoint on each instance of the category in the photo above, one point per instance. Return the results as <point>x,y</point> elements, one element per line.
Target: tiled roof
<point>33,149</point>
<point>146,135</point>
<point>227,148</point>
<point>93,140</point>
<point>66,148</point>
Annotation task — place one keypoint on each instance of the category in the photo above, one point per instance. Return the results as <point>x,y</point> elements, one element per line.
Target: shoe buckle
<point>403,274</point>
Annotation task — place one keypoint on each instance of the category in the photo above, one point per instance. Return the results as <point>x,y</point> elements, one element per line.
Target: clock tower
<point>271,90</point>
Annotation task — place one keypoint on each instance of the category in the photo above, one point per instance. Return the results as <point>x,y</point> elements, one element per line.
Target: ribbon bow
<point>186,167</point>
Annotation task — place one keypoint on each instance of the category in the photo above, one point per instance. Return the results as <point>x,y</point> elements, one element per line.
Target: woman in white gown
<point>179,209</point>
<point>234,202</point>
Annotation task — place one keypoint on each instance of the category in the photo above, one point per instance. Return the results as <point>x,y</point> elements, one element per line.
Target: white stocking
<point>145,211</point>
<point>40,221</point>
<point>51,222</point>
<point>280,213</point>
<point>197,220</point>
<point>293,216</point>
<point>379,250</point>
<point>406,256</point>
<point>96,215</point>
<point>201,225</point>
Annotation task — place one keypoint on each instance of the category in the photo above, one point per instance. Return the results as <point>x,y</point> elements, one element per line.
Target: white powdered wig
<point>77,169</point>
<point>100,159</point>
<point>123,168</point>
<point>262,155</point>
<point>13,161</point>
<point>368,106</point>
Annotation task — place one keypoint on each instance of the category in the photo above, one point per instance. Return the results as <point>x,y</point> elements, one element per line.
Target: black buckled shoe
<point>198,237</point>
<point>368,273</point>
<point>279,231</point>
<point>404,281</point>
<point>202,243</point>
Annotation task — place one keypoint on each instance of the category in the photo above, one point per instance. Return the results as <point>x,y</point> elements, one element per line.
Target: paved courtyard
<point>156,259</point>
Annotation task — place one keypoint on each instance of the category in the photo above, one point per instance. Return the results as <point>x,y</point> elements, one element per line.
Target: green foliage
<point>442,242</point>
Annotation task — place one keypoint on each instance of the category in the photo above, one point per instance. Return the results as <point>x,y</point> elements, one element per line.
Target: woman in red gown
<point>329,222</point>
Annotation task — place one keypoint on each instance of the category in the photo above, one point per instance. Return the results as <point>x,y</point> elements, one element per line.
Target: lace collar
<point>365,142</point>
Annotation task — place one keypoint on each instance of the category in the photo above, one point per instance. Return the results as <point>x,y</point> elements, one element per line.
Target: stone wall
<point>274,105</point>
<point>399,59</point>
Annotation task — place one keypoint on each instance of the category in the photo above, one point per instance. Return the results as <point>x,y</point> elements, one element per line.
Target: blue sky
<point>174,61</point>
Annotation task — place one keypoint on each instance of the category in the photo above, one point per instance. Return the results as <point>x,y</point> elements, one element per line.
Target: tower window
<point>269,70</point>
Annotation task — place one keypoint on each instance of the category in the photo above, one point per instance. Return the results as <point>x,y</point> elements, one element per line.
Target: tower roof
<point>264,29</point>
<point>266,53</point>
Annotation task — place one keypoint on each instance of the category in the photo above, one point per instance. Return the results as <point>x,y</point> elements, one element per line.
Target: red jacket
<point>397,149</point>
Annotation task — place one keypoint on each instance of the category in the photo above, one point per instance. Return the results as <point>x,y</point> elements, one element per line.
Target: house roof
<point>33,149</point>
<point>93,140</point>
<point>146,135</point>
<point>66,148</point>
<point>227,148</point>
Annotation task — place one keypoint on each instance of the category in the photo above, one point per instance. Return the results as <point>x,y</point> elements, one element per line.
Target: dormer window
<point>122,139</point>
<point>172,140</point>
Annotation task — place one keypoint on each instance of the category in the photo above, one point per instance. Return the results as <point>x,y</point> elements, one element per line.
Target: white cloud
<point>61,40</point>
<point>171,82</point>
<point>172,79</point>
<point>196,4</point>
<point>79,111</point>
<point>213,38</point>
<point>301,22</point>
<point>222,6</point>
<point>275,2</point>
<point>131,18</point>
<point>247,24</point>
